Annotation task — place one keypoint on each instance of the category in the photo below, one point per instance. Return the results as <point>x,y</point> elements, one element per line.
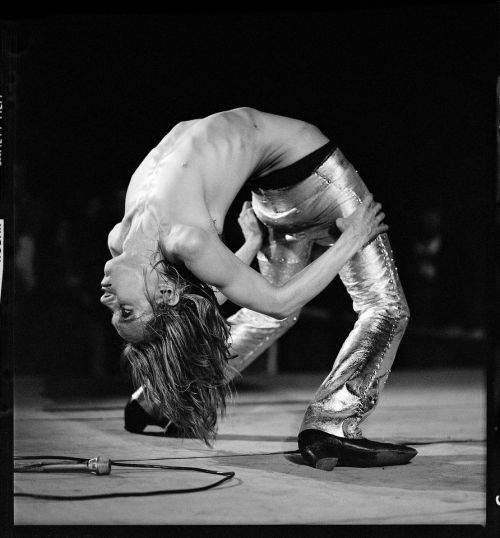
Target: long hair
<point>182,363</point>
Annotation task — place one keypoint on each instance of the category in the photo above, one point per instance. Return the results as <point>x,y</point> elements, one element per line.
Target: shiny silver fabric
<point>296,218</point>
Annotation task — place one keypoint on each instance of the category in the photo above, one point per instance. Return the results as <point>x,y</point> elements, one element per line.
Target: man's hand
<point>365,223</point>
<point>250,226</point>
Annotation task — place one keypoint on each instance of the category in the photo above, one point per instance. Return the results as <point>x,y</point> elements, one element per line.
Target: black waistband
<point>293,173</point>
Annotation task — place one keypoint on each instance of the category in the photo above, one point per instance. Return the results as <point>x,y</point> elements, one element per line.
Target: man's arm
<point>246,254</point>
<point>212,262</point>
<point>253,241</point>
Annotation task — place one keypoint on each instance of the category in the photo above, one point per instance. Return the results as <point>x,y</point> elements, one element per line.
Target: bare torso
<point>194,174</point>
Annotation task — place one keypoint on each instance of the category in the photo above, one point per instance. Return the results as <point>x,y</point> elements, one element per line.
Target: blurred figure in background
<point>30,211</point>
<point>83,253</point>
<point>445,267</point>
<point>425,269</point>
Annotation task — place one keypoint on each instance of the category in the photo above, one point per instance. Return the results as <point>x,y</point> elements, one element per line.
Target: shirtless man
<point>170,269</point>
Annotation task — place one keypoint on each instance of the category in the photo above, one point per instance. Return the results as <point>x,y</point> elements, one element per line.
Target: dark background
<point>408,93</point>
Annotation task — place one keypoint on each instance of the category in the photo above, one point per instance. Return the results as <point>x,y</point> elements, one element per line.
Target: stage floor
<point>441,413</point>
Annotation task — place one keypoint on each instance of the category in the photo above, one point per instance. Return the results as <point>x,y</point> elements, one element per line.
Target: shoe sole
<point>324,464</point>
<point>327,464</point>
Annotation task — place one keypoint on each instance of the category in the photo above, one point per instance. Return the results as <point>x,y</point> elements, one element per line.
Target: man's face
<point>124,286</point>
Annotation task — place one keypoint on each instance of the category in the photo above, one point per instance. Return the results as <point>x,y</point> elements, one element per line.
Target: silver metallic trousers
<point>297,217</point>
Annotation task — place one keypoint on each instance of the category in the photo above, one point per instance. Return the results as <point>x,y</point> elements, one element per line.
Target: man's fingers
<point>247,206</point>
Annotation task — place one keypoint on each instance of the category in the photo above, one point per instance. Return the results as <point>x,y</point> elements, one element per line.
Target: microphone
<point>98,466</point>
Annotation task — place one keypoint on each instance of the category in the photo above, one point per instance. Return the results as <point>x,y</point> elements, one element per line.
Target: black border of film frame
<point>1,254</point>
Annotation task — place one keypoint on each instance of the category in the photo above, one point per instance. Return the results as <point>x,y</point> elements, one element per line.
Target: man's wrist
<point>352,239</point>
<point>254,243</point>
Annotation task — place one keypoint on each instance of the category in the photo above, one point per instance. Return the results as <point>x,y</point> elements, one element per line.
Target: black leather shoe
<point>325,451</point>
<point>137,418</point>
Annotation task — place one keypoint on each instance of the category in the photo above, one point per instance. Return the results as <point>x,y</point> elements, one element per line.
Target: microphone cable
<point>126,463</point>
<point>39,467</point>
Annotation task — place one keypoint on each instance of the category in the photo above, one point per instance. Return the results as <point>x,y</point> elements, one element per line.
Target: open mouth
<point>107,296</point>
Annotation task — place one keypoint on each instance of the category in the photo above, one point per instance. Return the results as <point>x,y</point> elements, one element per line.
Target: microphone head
<point>99,465</point>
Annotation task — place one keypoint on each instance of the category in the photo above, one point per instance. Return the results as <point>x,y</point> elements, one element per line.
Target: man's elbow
<point>282,307</point>
<point>281,314</point>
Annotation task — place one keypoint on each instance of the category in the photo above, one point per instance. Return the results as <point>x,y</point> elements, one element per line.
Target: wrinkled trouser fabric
<point>297,217</point>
